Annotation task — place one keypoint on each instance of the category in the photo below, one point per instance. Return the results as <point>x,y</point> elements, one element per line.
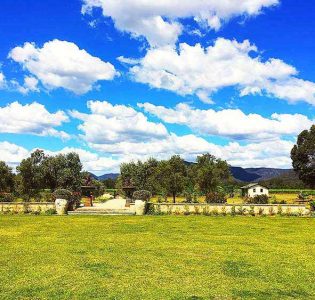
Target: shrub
<point>223,211</point>
<point>206,211</point>
<point>197,210</point>
<point>258,199</point>
<point>188,197</point>
<point>261,211</point>
<point>271,211</point>
<point>50,212</point>
<point>215,212</point>
<point>195,197</point>
<point>252,211</point>
<point>312,205</point>
<point>241,210</point>
<point>6,197</point>
<point>141,195</point>
<point>280,210</point>
<point>105,197</point>
<point>187,211</point>
<point>62,194</point>
<point>216,197</point>
<point>233,211</point>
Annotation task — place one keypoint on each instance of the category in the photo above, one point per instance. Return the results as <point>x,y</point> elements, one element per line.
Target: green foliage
<point>258,199</point>
<point>105,197</point>
<point>6,197</point>
<point>40,171</point>
<point>172,175</point>
<point>233,211</point>
<point>303,156</point>
<point>142,195</point>
<point>312,205</point>
<point>141,174</point>
<point>50,212</point>
<point>31,177</point>
<point>210,173</point>
<point>6,178</point>
<point>216,197</point>
<point>62,194</point>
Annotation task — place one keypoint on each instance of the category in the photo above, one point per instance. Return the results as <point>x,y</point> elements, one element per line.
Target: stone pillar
<point>61,206</point>
<point>140,207</point>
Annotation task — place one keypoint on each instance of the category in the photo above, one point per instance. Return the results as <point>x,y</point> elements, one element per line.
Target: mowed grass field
<point>156,257</point>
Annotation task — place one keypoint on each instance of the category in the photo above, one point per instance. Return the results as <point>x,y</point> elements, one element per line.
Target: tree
<point>6,178</point>
<point>303,156</point>
<point>31,176</point>
<point>211,172</point>
<point>62,171</point>
<point>140,174</point>
<point>172,175</point>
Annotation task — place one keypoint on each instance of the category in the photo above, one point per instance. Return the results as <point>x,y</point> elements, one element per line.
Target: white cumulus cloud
<point>61,64</point>
<point>160,21</point>
<point>227,63</point>
<point>31,119</point>
<point>231,123</point>
<point>109,123</point>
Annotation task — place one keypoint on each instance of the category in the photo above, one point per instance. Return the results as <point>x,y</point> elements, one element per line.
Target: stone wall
<point>214,209</point>
<point>20,207</point>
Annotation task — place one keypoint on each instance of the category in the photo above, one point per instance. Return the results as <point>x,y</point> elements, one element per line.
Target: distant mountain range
<point>241,174</point>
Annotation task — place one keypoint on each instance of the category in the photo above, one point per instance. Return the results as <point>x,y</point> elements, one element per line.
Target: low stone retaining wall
<point>24,207</point>
<point>223,209</point>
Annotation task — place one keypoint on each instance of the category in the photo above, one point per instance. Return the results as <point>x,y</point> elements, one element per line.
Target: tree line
<point>209,176</point>
<point>41,171</point>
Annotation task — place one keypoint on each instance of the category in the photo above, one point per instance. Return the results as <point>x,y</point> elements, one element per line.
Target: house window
<point>254,190</point>
<point>261,190</point>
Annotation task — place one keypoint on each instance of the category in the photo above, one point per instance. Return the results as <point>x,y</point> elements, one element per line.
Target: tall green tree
<point>62,171</point>
<point>6,178</point>
<point>172,175</point>
<point>140,174</point>
<point>303,156</point>
<point>30,174</point>
<point>211,172</point>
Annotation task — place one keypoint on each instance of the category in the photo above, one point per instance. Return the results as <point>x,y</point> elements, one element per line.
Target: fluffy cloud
<point>159,21</point>
<point>120,133</point>
<point>265,154</point>
<point>274,153</point>
<point>31,119</point>
<point>231,123</point>
<point>2,80</point>
<point>12,154</point>
<point>92,161</point>
<point>110,124</point>
<point>61,64</point>
<point>30,85</point>
<point>202,71</point>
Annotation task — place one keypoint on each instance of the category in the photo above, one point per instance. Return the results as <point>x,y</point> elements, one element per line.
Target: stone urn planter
<point>61,206</point>
<point>140,207</point>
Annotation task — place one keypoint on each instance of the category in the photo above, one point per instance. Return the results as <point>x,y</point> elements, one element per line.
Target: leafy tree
<point>30,174</point>
<point>172,175</point>
<point>211,172</point>
<point>6,178</point>
<point>62,171</point>
<point>303,156</point>
<point>141,174</point>
<point>109,183</point>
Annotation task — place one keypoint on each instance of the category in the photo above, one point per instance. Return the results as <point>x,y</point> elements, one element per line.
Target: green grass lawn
<point>156,257</point>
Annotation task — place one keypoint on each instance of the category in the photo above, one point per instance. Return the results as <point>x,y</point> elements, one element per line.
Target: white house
<point>254,189</point>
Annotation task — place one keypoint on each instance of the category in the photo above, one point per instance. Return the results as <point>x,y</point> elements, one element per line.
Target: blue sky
<point>119,82</point>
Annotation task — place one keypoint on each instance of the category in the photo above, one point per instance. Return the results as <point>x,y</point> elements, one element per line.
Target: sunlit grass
<point>156,257</point>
